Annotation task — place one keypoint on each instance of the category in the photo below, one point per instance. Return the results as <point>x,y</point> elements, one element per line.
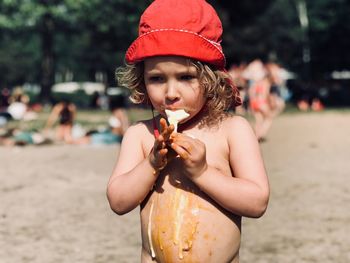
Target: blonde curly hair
<point>218,87</point>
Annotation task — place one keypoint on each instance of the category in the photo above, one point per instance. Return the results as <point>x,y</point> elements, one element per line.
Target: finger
<point>180,137</point>
<point>174,135</point>
<point>163,152</point>
<point>163,125</point>
<point>187,145</point>
<point>165,130</point>
<point>170,129</point>
<point>159,155</point>
<point>159,143</point>
<point>167,133</point>
<point>185,136</point>
<point>180,151</point>
<point>159,159</point>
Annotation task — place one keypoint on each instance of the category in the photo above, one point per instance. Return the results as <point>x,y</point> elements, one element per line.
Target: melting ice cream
<point>174,117</point>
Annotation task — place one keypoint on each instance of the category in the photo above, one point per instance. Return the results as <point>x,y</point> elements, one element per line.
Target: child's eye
<point>188,77</point>
<point>155,79</point>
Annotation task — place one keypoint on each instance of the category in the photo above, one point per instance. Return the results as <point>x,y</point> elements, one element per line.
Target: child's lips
<point>175,108</point>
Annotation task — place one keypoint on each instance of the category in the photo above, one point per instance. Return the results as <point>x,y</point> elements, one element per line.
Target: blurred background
<point>80,43</point>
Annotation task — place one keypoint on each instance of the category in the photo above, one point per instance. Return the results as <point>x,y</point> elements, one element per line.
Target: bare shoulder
<point>139,129</point>
<point>236,124</point>
<point>139,133</point>
<point>239,131</point>
<point>133,147</point>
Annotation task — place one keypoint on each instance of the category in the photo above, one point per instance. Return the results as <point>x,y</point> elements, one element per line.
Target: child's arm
<point>246,193</point>
<point>135,174</point>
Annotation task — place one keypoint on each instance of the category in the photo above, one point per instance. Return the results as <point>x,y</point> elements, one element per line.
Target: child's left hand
<point>192,152</point>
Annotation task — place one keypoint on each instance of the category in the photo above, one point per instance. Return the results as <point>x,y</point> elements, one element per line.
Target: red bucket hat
<point>181,28</point>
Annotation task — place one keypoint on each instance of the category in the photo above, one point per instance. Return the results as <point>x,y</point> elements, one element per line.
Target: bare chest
<point>179,221</point>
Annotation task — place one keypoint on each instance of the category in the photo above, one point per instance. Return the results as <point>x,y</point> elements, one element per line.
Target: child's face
<point>172,83</point>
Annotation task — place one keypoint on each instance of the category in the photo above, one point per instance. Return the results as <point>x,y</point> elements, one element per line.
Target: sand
<point>54,209</point>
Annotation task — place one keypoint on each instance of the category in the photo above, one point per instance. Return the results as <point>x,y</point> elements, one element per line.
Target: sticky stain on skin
<point>181,203</point>
<point>149,230</point>
<point>183,210</point>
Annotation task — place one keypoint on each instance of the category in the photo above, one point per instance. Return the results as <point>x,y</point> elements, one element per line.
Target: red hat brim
<point>174,42</point>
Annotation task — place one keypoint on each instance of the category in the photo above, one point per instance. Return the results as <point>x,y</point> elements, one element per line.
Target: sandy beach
<point>54,208</point>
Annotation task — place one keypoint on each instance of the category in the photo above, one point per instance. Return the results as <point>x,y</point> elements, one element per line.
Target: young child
<point>194,185</point>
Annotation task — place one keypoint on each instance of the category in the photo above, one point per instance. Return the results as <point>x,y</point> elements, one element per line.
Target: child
<point>193,186</point>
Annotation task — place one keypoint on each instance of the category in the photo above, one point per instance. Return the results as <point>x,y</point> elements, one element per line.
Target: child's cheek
<point>156,100</point>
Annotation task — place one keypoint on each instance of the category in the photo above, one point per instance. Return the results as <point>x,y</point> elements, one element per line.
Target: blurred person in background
<point>241,83</point>
<point>4,103</point>
<point>18,137</point>
<point>277,103</point>
<point>119,118</point>
<point>258,91</point>
<point>102,136</point>
<point>118,123</point>
<point>64,112</point>
<point>17,106</point>
<point>4,99</point>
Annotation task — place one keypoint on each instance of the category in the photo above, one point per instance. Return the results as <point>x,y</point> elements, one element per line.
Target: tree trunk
<point>47,60</point>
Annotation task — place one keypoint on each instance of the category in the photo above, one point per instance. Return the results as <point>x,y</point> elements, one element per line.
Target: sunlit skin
<point>193,186</point>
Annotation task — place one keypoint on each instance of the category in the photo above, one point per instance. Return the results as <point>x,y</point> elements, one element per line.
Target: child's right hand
<point>158,156</point>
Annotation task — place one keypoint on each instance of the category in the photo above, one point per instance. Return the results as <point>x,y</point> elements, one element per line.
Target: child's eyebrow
<point>193,73</point>
<point>188,70</point>
<point>153,72</point>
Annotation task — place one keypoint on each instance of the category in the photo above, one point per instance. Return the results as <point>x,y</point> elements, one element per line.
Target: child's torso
<point>180,223</point>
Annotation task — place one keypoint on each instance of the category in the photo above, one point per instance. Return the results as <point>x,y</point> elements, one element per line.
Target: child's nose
<point>172,91</point>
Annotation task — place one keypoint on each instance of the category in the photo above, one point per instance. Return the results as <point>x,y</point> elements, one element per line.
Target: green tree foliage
<point>264,29</point>
<point>44,41</point>
<point>18,57</point>
<point>69,36</point>
<point>271,29</point>
<point>329,30</point>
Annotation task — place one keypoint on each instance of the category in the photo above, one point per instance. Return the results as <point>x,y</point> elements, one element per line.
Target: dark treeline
<point>47,41</point>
